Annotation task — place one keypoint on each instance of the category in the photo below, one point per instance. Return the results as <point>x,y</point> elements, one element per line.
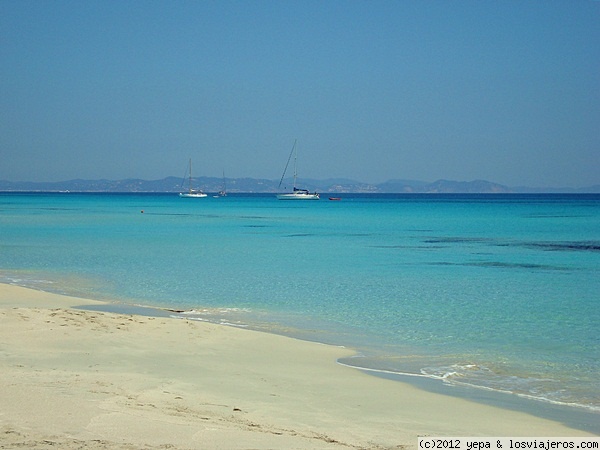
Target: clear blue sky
<point>507,91</point>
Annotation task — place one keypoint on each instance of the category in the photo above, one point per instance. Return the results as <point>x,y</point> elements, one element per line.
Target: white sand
<point>82,379</point>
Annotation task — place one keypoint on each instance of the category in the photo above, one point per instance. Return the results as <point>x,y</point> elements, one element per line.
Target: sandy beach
<point>73,378</point>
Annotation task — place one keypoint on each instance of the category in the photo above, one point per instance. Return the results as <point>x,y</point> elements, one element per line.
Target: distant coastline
<point>253,185</point>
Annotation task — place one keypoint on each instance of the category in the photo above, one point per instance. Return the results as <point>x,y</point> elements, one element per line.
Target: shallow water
<point>494,291</point>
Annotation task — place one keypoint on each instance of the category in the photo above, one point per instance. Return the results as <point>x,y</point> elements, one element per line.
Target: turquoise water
<point>496,292</point>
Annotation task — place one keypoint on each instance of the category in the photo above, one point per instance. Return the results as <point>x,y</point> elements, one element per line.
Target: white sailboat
<point>192,193</point>
<point>296,194</point>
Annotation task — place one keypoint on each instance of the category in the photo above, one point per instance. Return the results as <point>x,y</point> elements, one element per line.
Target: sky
<point>505,91</point>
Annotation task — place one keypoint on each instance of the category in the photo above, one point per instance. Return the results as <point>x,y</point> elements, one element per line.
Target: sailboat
<point>296,194</point>
<point>192,193</point>
<point>222,192</point>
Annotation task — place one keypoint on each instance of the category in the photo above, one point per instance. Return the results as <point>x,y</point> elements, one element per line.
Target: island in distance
<point>252,185</point>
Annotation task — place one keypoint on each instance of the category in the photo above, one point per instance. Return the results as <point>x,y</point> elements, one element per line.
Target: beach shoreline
<point>80,377</point>
<point>575,416</point>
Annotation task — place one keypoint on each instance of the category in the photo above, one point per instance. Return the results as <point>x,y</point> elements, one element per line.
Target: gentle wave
<point>485,379</point>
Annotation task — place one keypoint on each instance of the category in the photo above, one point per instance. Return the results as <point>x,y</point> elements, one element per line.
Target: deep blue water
<point>493,291</point>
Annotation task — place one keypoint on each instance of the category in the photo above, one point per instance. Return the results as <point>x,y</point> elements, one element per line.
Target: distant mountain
<point>443,187</point>
<point>130,185</point>
<point>595,189</point>
<point>403,186</point>
<point>467,187</point>
<point>252,185</point>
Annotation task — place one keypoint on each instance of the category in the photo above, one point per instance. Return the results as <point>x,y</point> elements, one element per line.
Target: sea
<point>492,297</point>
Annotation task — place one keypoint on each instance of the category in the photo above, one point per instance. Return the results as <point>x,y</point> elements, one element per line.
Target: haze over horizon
<point>502,91</point>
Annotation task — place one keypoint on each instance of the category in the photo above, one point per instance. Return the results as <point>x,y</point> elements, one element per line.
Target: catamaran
<point>192,193</point>
<point>296,194</point>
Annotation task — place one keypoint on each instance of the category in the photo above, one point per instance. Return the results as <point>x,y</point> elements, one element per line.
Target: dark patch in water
<point>408,247</point>
<point>565,246</point>
<point>502,265</point>
<point>558,216</point>
<point>583,246</point>
<point>457,240</point>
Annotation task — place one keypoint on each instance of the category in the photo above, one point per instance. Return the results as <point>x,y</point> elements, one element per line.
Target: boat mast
<point>287,164</point>
<point>295,162</point>
<point>190,175</point>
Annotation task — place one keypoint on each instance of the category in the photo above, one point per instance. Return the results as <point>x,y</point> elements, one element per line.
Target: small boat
<point>192,193</point>
<point>296,194</point>
<point>337,199</point>
<point>223,192</point>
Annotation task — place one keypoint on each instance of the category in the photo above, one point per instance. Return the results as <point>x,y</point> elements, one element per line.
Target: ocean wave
<point>481,377</point>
